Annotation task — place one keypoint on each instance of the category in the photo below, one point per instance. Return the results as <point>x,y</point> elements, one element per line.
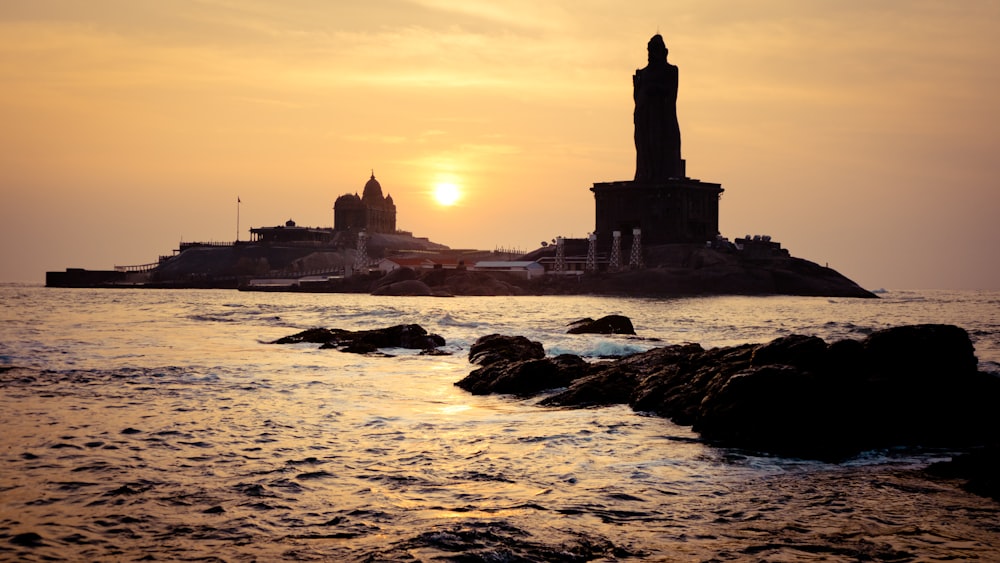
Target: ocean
<point>163,425</point>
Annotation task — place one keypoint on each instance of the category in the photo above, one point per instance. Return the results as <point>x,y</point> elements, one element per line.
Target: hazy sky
<point>860,134</point>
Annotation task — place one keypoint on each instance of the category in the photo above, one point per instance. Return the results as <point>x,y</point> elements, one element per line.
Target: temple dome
<point>373,190</point>
<point>348,200</point>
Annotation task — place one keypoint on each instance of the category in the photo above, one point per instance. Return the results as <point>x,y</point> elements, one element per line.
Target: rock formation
<point>796,395</point>
<point>410,336</point>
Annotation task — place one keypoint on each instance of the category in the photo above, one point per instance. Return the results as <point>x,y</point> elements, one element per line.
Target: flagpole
<point>237,218</point>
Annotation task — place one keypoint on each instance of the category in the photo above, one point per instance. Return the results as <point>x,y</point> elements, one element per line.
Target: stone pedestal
<point>678,210</point>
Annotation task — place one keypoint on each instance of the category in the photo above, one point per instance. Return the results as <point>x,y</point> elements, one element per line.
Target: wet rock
<point>980,469</point>
<point>434,352</point>
<point>313,336</point>
<point>353,347</point>
<point>796,395</point>
<point>610,324</point>
<point>526,377</point>
<point>920,352</point>
<point>494,348</point>
<point>411,336</point>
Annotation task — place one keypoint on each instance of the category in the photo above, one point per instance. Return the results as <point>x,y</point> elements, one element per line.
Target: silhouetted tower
<point>635,258</point>
<point>361,260</point>
<point>615,263</point>
<point>592,253</point>
<point>560,255</point>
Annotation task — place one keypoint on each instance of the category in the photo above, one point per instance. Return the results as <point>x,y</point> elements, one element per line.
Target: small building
<point>292,234</point>
<point>528,269</point>
<point>760,246</point>
<point>390,264</point>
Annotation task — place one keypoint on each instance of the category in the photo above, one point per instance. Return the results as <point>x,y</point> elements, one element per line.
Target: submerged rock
<point>796,395</point>
<point>411,336</point>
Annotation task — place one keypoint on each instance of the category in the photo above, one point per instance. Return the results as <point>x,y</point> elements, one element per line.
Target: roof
<point>510,265</point>
<point>409,261</point>
<point>373,190</point>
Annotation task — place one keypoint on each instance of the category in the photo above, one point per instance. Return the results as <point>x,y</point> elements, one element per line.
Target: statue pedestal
<point>678,210</point>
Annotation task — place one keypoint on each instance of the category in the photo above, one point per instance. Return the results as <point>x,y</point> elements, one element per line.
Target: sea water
<point>163,425</point>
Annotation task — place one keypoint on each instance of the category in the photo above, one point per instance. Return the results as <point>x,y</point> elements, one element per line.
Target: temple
<point>370,211</point>
<point>661,202</point>
<point>351,214</point>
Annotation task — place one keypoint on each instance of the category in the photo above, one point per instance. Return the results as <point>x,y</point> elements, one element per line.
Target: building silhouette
<point>370,211</point>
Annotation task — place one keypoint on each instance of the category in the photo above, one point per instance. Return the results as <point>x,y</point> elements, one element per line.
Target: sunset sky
<point>859,134</point>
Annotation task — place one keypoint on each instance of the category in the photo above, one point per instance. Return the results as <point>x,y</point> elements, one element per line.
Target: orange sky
<point>859,134</point>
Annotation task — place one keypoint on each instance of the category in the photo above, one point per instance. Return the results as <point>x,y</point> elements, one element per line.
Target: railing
<point>185,245</point>
<point>141,268</point>
<point>296,274</point>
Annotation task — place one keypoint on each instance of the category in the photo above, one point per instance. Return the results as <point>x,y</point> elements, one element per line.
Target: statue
<point>657,133</point>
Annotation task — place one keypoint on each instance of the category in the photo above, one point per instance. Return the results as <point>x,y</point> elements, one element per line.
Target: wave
<point>447,320</point>
<point>600,349</point>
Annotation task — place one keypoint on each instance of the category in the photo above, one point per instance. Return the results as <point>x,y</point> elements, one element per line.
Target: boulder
<point>610,324</point>
<point>524,377</point>
<point>495,348</point>
<point>393,276</point>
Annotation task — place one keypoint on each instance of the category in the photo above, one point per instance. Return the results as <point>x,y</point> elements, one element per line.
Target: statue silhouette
<point>657,133</point>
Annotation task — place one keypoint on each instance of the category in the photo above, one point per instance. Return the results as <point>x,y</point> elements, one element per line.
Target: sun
<point>446,193</point>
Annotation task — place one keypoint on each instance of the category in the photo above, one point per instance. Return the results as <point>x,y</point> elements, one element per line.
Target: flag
<point>237,199</point>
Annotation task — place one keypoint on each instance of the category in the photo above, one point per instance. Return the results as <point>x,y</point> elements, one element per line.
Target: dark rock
<point>524,377</point>
<point>392,277</point>
<point>355,348</point>
<point>610,324</point>
<point>980,469</point>
<point>434,352</point>
<point>411,336</point>
<point>607,387</point>
<point>795,350</point>
<point>313,336</point>
<point>494,348</point>
<point>920,352</point>
<point>796,395</point>
<point>777,408</point>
